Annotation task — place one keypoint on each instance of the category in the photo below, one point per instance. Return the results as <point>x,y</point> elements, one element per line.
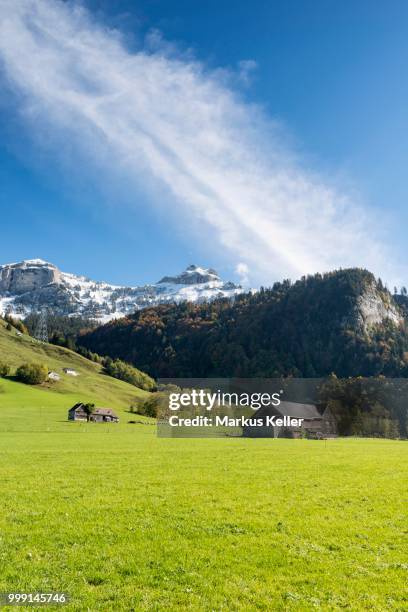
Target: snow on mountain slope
<point>34,284</point>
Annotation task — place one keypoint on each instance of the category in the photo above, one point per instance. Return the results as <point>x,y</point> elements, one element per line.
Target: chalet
<point>98,415</point>
<point>70,372</point>
<point>315,425</point>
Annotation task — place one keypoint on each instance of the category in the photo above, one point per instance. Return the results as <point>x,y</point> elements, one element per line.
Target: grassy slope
<point>91,384</point>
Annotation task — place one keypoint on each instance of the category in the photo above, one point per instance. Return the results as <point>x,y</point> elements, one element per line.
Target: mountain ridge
<point>344,322</point>
<point>33,284</point>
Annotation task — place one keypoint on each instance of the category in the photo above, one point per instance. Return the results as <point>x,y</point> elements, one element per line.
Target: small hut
<point>54,376</point>
<point>70,372</point>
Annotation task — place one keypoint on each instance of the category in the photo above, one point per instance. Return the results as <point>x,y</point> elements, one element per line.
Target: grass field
<point>122,520</point>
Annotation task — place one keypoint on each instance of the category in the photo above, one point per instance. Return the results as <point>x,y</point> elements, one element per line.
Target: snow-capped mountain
<point>34,284</point>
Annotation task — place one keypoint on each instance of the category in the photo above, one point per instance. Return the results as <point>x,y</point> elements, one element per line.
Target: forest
<point>310,328</point>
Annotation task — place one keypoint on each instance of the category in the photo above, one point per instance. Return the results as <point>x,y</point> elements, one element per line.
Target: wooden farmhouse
<point>98,415</point>
<point>315,425</point>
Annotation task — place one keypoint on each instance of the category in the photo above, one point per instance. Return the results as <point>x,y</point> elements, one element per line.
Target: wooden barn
<point>315,425</point>
<point>104,415</point>
<point>98,415</point>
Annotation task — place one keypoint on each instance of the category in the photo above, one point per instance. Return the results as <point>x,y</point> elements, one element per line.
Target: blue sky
<point>307,99</point>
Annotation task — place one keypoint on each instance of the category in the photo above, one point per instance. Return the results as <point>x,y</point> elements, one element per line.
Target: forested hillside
<point>344,322</point>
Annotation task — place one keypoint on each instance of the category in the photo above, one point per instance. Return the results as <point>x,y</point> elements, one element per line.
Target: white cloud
<point>246,70</point>
<point>242,269</point>
<point>171,123</point>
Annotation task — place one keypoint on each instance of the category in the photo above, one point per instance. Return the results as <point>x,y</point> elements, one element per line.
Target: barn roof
<point>304,411</point>
<point>80,405</point>
<point>104,411</point>
<point>291,409</point>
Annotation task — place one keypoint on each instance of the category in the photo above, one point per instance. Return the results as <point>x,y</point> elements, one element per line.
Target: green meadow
<point>123,520</point>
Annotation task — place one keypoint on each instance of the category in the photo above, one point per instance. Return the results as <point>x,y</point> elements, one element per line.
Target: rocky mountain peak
<point>35,283</point>
<point>192,275</point>
<point>28,275</point>
<point>36,262</point>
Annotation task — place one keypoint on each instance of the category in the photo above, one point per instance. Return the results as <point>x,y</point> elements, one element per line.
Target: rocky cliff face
<point>193,275</point>
<point>27,276</point>
<point>30,285</point>
<point>374,307</point>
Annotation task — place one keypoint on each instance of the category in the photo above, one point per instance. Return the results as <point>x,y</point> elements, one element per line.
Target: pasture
<point>123,520</point>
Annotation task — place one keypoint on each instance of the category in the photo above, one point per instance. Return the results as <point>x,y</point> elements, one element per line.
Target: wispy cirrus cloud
<point>171,122</point>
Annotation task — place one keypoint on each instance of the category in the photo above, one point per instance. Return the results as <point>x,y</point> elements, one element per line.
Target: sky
<point>264,139</point>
